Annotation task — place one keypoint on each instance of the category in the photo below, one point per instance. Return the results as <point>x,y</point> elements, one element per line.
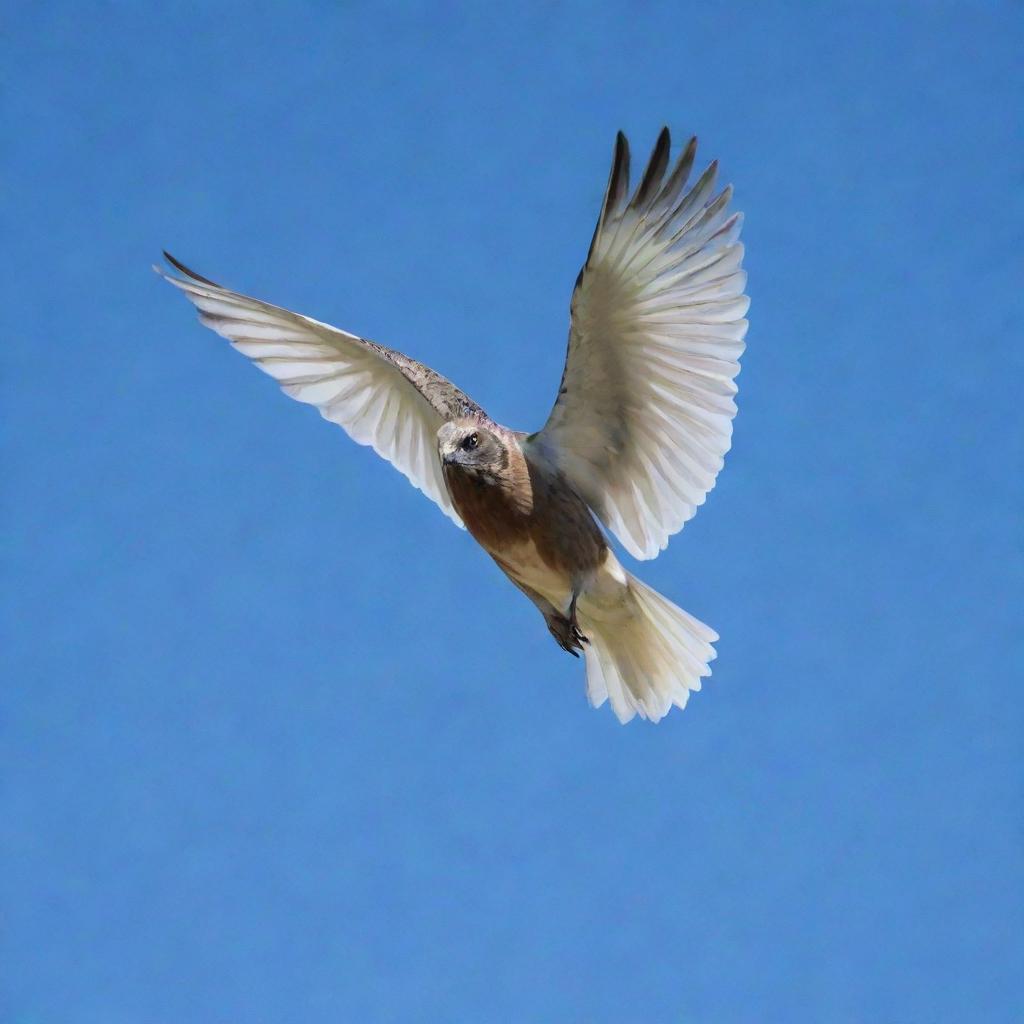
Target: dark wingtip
<point>618,183</point>
<point>650,183</point>
<point>664,140</point>
<point>621,148</point>
<point>615,194</point>
<point>179,266</point>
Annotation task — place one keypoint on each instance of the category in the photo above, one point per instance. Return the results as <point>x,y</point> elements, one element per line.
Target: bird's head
<point>468,445</point>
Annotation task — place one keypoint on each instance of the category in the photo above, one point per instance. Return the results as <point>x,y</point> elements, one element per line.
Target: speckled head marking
<point>470,446</point>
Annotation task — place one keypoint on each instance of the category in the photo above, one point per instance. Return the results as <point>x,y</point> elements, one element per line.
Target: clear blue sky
<point>280,744</point>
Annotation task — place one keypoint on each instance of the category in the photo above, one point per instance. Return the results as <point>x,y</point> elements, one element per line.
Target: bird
<point>634,442</point>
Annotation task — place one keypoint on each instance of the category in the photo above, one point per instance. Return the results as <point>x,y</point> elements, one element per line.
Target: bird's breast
<point>532,519</point>
<point>490,511</point>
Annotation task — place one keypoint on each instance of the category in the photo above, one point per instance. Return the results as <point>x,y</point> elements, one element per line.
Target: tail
<point>645,654</point>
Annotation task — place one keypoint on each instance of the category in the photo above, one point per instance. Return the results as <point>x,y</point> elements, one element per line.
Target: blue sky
<point>281,744</point>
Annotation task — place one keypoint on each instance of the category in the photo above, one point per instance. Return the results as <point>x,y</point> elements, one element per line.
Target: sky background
<point>281,744</point>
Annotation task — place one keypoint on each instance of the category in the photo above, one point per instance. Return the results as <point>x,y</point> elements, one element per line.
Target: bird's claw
<point>567,632</point>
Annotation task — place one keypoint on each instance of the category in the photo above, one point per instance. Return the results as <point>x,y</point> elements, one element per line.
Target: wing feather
<point>644,413</point>
<point>380,397</point>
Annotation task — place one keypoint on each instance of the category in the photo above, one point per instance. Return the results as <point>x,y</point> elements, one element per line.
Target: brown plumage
<point>526,516</point>
<point>504,501</point>
<point>636,436</point>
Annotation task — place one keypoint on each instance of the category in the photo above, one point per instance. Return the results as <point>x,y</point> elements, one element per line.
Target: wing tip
<point>615,191</point>
<point>619,179</point>
<point>664,139</point>
<point>650,183</point>
<point>187,271</point>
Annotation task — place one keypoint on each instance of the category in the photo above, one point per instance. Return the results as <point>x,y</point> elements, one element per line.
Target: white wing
<point>644,414</point>
<point>381,397</point>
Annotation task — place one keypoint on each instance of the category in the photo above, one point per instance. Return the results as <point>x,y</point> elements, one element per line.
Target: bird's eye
<point>471,442</point>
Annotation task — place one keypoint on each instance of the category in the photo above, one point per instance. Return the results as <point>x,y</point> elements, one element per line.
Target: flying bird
<point>635,440</point>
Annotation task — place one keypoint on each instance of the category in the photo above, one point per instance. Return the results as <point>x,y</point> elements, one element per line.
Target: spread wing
<point>644,413</point>
<point>380,397</point>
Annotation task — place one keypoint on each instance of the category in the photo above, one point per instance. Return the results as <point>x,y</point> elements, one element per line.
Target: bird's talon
<point>567,635</point>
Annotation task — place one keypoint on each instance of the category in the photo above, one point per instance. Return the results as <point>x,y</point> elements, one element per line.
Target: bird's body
<point>635,439</point>
<point>527,518</point>
<point>539,530</point>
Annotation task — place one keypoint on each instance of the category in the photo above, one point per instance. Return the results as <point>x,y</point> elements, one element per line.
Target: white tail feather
<point>645,654</point>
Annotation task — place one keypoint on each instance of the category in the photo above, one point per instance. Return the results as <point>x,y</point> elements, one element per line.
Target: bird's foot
<point>566,630</point>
